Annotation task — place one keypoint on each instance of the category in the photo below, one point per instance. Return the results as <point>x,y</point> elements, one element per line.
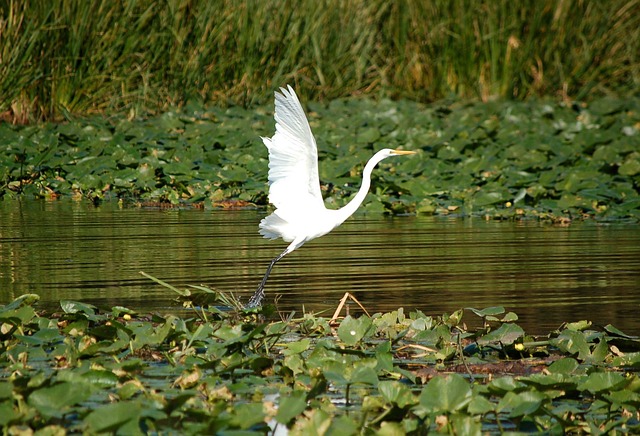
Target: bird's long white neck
<point>357,200</point>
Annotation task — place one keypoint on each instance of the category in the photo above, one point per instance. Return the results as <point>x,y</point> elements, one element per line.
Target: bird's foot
<point>256,298</point>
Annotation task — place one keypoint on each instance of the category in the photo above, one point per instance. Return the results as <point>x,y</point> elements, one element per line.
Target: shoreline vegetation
<point>519,109</point>
<point>66,59</point>
<point>533,159</point>
<point>83,369</point>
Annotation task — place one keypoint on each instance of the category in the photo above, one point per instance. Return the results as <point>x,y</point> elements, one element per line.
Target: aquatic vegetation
<point>502,160</point>
<point>67,59</point>
<point>91,370</point>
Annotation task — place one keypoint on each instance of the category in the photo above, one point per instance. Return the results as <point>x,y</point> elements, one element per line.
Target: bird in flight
<point>294,185</point>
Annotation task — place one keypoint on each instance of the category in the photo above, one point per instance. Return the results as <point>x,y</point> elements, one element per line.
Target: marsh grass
<point>65,58</point>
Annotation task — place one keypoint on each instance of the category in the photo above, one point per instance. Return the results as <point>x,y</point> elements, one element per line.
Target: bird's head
<point>385,153</point>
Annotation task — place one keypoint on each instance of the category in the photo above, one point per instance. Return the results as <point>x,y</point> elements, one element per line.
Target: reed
<point>68,57</point>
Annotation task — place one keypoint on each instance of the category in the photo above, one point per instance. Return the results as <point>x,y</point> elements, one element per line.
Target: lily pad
<point>445,395</point>
<point>54,401</point>
<point>603,382</point>
<point>291,406</point>
<point>122,417</point>
<point>352,330</point>
<point>506,334</point>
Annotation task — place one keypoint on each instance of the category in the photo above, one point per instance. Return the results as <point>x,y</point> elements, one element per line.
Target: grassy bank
<point>65,58</point>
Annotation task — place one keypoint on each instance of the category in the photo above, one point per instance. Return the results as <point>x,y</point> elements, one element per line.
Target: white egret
<point>294,186</point>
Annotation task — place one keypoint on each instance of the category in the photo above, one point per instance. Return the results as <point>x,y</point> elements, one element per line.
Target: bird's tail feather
<point>274,227</point>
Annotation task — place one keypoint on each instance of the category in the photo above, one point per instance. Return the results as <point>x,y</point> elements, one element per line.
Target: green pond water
<point>547,274</point>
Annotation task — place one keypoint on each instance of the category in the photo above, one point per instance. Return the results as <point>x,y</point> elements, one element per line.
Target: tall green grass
<point>67,57</point>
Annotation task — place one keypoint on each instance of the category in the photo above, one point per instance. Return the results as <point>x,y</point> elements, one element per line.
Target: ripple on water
<point>546,274</point>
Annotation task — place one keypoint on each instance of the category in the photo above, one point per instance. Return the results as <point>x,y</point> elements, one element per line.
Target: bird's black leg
<point>258,295</point>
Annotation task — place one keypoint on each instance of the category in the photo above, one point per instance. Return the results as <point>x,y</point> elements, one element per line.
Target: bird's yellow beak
<point>404,152</point>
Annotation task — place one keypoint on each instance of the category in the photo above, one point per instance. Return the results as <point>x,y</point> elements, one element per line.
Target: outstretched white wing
<point>293,157</point>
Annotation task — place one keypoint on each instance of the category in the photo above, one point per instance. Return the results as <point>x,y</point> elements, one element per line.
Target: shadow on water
<point>546,274</point>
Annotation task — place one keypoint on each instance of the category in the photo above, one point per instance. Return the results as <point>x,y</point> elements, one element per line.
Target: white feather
<point>294,186</point>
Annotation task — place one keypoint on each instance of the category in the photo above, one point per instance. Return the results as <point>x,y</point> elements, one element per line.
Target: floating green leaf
<point>248,415</point>
<point>55,400</point>
<point>8,413</point>
<point>573,342</point>
<point>497,310</point>
<point>506,334</point>
<point>122,417</point>
<point>352,330</point>
<point>396,393</point>
<point>565,365</point>
<point>445,395</point>
<point>603,381</point>
<point>291,406</point>
<point>77,307</point>
<point>522,404</point>
<point>297,347</point>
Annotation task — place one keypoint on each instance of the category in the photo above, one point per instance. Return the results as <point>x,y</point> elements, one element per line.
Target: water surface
<point>546,274</point>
